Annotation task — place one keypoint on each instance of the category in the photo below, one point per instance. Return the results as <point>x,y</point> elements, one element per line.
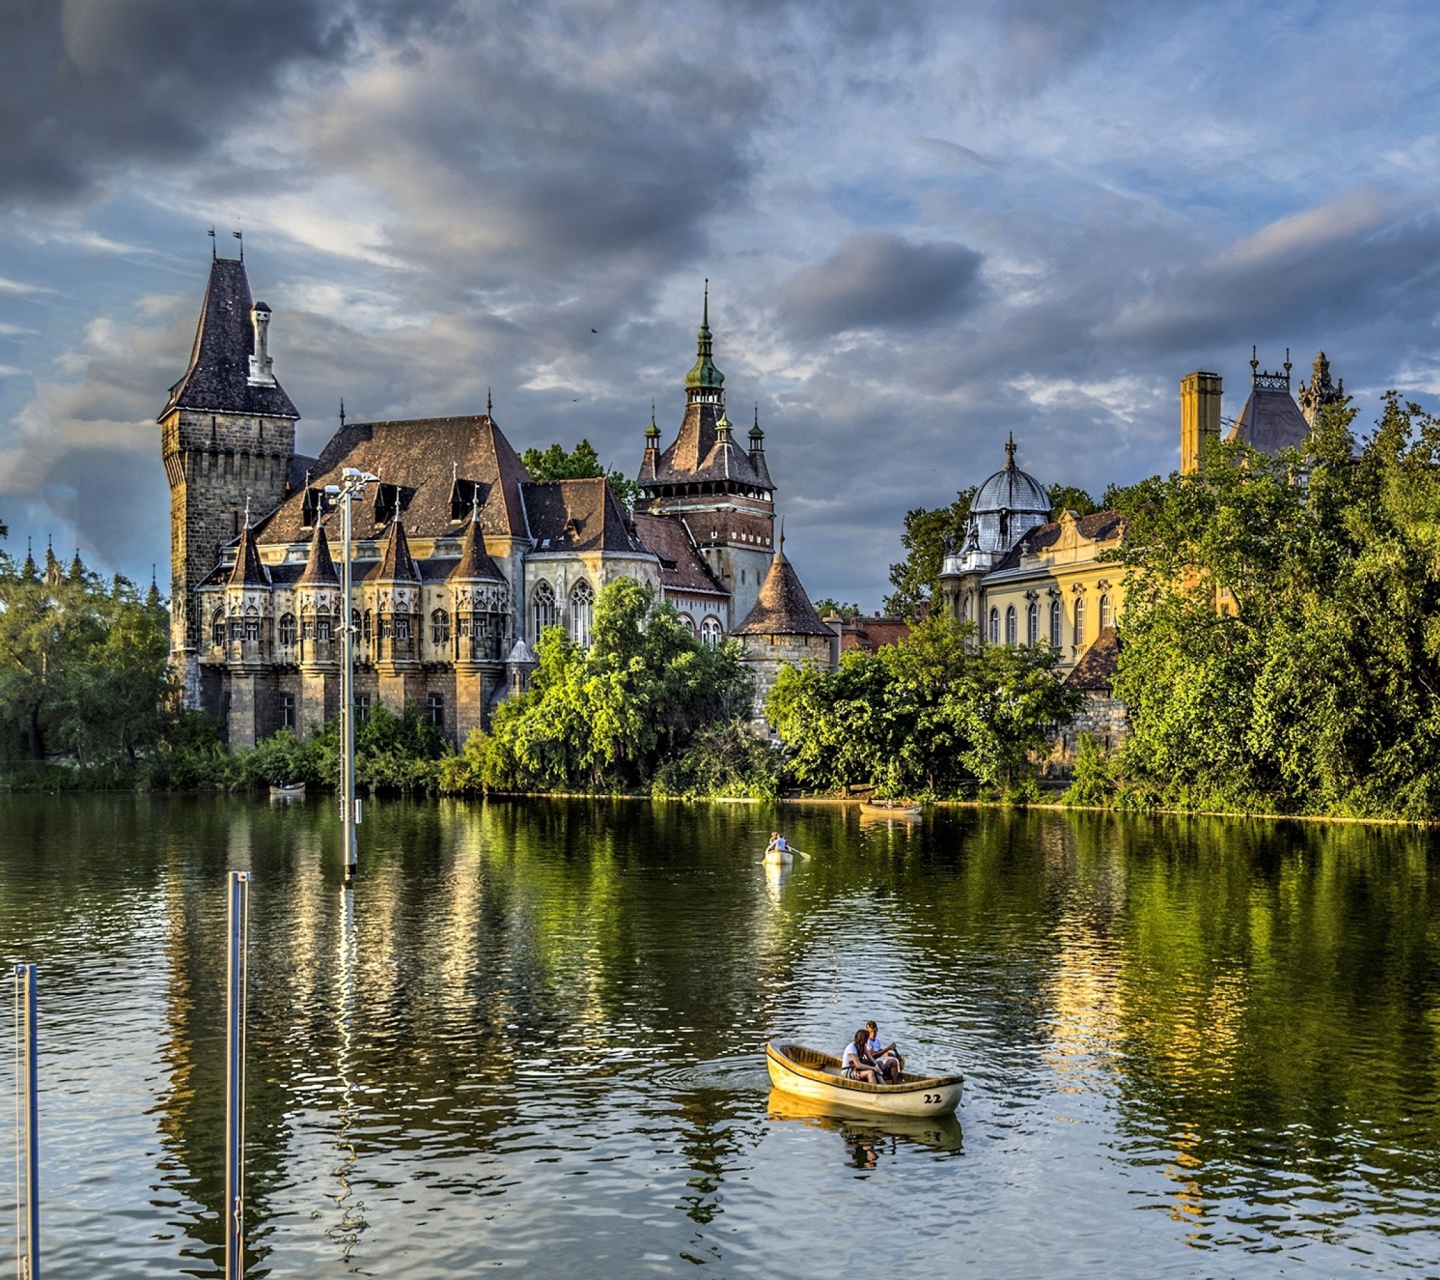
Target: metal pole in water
<point>27,1128</point>
<point>236,999</point>
<point>347,694</point>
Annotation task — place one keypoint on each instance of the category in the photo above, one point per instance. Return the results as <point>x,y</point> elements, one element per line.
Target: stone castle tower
<point>720,491</point>
<point>228,440</point>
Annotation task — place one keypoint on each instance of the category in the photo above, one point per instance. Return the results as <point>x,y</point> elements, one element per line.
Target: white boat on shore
<point>809,1073</point>
<point>287,791</point>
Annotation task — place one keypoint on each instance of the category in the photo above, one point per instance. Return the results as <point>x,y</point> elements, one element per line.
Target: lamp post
<point>352,484</point>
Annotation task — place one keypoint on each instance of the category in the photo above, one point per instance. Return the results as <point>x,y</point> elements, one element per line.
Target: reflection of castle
<point>1024,578</point>
<point>461,558</point>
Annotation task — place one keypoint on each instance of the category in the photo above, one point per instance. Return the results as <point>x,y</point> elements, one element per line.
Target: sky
<point>925,226</point>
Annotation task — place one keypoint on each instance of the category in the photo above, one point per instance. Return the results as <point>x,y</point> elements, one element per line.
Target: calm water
<point>533,1040</point>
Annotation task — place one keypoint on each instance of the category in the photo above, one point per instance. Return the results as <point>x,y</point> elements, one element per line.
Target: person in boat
<point>887,1056</point>
<point>856,1062</point>
<point>778,849</point>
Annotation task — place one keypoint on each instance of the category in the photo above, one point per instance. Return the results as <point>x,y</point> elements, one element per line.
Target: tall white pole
<point>27,1144</point>
<point>236,1000</point>
<point>347,693</point>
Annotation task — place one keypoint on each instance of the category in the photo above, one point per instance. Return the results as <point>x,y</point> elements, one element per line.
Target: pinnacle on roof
<point>397,565</point>
<point>219,378</point>
<point>1270,419</point>
<point>782,608</point>
<point>248,570</point>
<point>77,567</point>
<point>52,565</point>
<point>1321,391</point>
<point>757,437</point>
<point>320,566</point>
<point>705,376</point>
<point>475,564</point>
<point>652,432</point>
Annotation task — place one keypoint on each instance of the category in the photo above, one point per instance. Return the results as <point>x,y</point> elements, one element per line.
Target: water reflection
<point>538,1026</point>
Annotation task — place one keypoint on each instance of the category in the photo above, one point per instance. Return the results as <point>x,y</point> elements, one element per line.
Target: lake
<point>532,1038</point>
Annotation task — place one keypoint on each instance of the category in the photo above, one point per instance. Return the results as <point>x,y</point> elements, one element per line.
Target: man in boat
<point>778,850</point>
<point>856,1062</point>
<point>887,1057</point>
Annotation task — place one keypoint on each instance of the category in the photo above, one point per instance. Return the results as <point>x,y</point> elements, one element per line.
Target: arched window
<point>1079,620</point>
<point>582,613</point>
<point>287,629</point>
<point>543,609</point>
<point>994,626</point>
<point>1107,613</point>
<point>688,623</point>
<point>402,626</point>
<point>1057,621</point>
<point>440,628</point>
<point>252,624</point>
<point>365,627</point>
<point>710,631</point>
<point>324,629</point>
<point>217,628</point>
<point>307,627</point>
<point>1010,624</point>
<point>1032,624</point>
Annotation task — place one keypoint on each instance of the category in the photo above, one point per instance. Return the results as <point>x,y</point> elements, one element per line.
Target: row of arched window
<point>545,611</point>
<point>1056,620</point>
<point>710,631</point>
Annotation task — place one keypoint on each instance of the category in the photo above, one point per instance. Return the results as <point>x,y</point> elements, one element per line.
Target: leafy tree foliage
<point>916,579</point>
<point>828,608</point>
<point>926,716</point>
<point>580,463</point>
<point>82,665</point>
<point>604,718</point>
<point>1282,625</point>
<point>1066,497</point>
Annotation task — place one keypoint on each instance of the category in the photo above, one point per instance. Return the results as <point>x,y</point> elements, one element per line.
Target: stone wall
<point>765,655</point>
<point>1101,715</point>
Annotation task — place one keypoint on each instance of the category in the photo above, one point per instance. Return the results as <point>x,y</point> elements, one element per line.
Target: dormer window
<point>390,499</point>
<point>465,497</point>
<point>315,504</point>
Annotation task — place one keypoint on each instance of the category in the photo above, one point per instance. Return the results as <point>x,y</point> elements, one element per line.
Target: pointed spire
<point>757,437</point>
<point>652,432</point>
<point>53,575</point>
<point>152,597</point>
<point>704,376</point>
<point>319,567</point>
<point>248,570</point>
<point>475,564</point>
<point>342,413</point>
<point>397,565</point>
<point>77,567</point>
<point>1010,453</point>
<point>28,571</point>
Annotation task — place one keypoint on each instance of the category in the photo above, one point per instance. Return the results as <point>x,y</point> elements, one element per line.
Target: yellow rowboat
<point>808,1073</point>
<point>876,809</point>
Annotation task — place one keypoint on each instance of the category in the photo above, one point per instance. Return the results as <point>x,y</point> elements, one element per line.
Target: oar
<point>801,852</point>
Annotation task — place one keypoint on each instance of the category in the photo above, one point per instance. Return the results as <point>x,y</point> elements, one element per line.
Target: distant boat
<point>887,809</point>
<point>287,791</point>
<point>809,1073</point>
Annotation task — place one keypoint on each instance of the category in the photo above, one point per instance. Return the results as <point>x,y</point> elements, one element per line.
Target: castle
<point>460,558</point>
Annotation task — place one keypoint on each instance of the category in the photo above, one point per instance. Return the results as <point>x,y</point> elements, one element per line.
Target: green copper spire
<point>652,432</point>
<point>705,375</point>
<point>756,435</point>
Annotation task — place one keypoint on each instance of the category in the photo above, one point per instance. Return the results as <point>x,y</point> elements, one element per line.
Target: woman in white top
<point>856,1062</point>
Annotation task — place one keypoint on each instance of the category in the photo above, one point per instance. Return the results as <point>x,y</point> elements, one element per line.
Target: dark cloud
<point>879,280</point>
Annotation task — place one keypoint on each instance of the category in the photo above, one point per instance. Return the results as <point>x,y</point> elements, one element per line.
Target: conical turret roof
<point>397,565</point>
<point>248,570</point>
<point>782,608</point>
<point>475,564</point>
<point>320,567</point>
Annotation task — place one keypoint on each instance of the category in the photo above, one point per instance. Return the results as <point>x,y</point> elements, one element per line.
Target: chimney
<point>260,375</point>
<point>1199,417</point>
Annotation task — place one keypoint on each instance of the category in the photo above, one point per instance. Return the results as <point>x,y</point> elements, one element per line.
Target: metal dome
<point>1012,490</point>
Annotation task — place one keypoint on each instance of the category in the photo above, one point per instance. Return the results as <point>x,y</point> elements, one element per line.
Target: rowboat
<point>809,1073</point>
<point>879,809</point>
<point>287,791</point>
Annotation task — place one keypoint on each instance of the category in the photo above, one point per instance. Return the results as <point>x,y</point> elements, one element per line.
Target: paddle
<point>791,849</point>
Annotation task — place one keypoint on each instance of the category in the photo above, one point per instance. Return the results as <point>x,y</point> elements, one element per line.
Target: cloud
<point>877,280</point>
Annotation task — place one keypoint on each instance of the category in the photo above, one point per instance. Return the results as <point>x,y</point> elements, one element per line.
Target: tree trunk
<point>32,734</point>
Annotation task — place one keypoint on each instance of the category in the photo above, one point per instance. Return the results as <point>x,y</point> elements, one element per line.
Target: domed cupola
<point>1004,509</point>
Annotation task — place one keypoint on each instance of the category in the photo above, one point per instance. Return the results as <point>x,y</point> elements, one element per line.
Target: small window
<point>710,631</point>
<point>402,626</point>
<point>1032,625</point>
<point>324,628</point>
<point>1057,620</point>
<point>287,710</point>
<point>1010,624</point>
<point>435,710</point>
<point>1107,613</point>
<point>308,629</point>
<point>440,628</point>
<point>287,629</point>
<point>362,707</point>
<point>237,629</point>
<point>387,626</point>
<point>1079,621</point>
<point>365,628</point>
<point>994,626</point>
<point>252,626</point>
<point>217,628</point>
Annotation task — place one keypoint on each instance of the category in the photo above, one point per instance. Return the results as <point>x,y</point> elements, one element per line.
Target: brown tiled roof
<point>782,608</point>
<point>1270,421</point>
<point>319,568</point>
<point>397,564</point>
<point>425,456</point>
<point>682,567</point>
<point>1098,526</point>
<point>1096,668</point>
<point>218,378</point>
<point>248,571</point>
<point>698,454</point>
<point>475,564</point>
<point>576,515</point>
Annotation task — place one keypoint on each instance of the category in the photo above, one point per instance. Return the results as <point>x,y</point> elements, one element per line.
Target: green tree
<point>1066,497</point>
<point>580,463</point>
<point>916,579</point>
<point>828,608</point>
